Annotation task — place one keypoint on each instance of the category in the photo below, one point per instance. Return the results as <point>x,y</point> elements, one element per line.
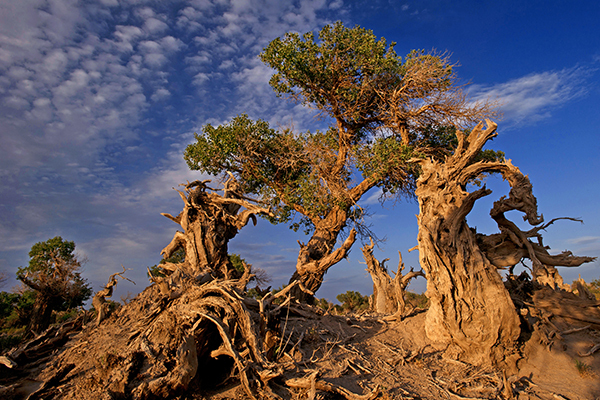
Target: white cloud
<point>81,85</point>
<point>533,97</point>
<point>584,240</point>
<point>200,78</point>
<point>110,3</point>
<point>160,94</point>
<point>372,198</point>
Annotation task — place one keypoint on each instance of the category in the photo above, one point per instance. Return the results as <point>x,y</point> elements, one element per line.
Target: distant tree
<point>324,304</point>
<point>3,278</point>
<point>8,303</point>
<point>54,274</point>
<point>594,287</point>
<point>353,301</point>
<point>20,303</point>
<point>383,110</point>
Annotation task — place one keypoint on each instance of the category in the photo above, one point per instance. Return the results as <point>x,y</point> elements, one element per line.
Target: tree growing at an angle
<point>54,273</point>
<point>382,111</point>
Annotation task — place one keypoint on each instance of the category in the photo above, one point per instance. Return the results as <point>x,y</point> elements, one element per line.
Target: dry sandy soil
<point>363,354</point>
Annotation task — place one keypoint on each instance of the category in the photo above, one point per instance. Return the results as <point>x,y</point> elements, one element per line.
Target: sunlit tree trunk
<point>470,310</point>
<point>209,221</point>
<point>388,292</point>
<point>318,255</point>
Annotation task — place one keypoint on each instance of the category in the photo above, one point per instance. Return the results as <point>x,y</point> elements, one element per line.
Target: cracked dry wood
<point>470,309</point>
<point>209,221</point>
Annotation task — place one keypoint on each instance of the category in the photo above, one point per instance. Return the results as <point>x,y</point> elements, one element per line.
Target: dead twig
<point>591,351</point>
<point>575,330</point>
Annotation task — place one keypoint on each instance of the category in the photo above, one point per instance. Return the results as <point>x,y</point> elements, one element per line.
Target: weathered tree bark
<point>388,292</point>
<point>41,315</point>
<point>99,300</point>
<point>47,299</point>
<point>470,309</point>
<point>511,245</point>
<point>196,334</point>
<point>318,255</point>
<point>209,221</point>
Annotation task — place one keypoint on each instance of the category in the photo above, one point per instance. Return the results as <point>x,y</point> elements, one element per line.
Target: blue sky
<point>98,99</point>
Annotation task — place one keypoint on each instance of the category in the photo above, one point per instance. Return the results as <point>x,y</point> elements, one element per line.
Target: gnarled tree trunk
<point>209,221</point>
<point>388,292</point>
<point>318,255</point>
<point>470,309</point>
<point>41,315</point>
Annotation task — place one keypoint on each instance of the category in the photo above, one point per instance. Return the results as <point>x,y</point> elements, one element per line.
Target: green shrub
<point>417,300</point>
<point>8,341</point>
<point>594,287</point>
<point>353,301</point>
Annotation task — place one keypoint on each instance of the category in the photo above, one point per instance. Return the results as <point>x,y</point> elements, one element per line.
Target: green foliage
<point>155,270</point>
<point>43,255</point>
<point>8,303</point>
<point>385,161</point>
<point>237,261</point>
<point>64,316</point>
<point>254,294</point>
<point>269,164</point>
<point>583,368</point>
<point>325,305</point>
<point>342,75</point>
<point>353,301</point>
<point>23,308</point>
<point>418,300</point>
<point>177,257</point>
<point>53,272</point>
<point>10,340</point>
<point>15,312</point>
<point>594,288</point>
<point>385,112</point>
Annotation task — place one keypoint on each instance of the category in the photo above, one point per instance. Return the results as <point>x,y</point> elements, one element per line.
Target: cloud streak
<point>532,98</point>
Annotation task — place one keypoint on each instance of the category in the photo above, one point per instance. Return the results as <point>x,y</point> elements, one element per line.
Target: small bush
<point>353,301</point>
<point>8,341</point>
<point>584,369</point>
<point>594,287</point>
<point>417,300</point>
<point>63,316</point>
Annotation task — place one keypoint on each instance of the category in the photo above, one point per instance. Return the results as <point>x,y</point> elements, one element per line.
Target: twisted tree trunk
<point>388,292</point>
<point>41,315</point>
<point>318,255</point>
<point>209,221</point>
<point>470,309</point>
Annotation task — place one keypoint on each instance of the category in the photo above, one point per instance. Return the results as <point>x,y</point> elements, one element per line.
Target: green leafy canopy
<point>385,112</point>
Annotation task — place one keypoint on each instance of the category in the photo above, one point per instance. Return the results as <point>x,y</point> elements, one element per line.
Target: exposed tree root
<point>207,336</point>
